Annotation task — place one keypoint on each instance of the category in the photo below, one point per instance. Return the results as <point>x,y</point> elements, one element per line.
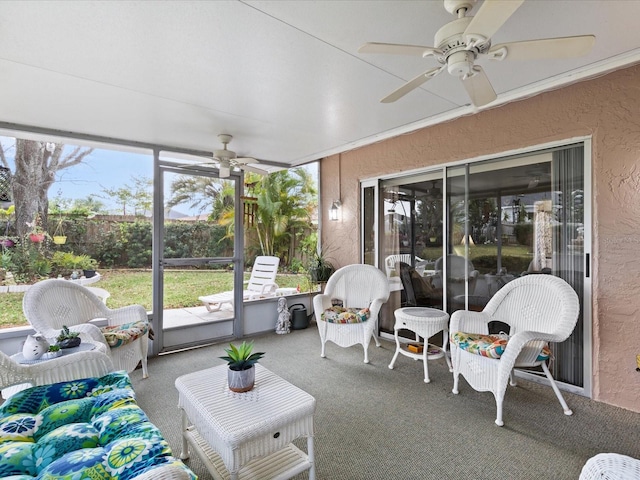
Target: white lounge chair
<point>262,283</point>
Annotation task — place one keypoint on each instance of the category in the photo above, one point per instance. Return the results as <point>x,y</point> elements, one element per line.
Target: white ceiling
<point>283,77</point>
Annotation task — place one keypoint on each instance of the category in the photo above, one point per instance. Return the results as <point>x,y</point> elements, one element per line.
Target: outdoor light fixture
<point>333,211</point>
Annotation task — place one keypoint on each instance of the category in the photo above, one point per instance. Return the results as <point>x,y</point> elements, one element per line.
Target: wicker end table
<point>424,322</point>
<point>246,435</point>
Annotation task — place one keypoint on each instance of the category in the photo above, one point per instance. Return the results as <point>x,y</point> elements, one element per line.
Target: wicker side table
<point>424,322</point>
<point>246,435</point>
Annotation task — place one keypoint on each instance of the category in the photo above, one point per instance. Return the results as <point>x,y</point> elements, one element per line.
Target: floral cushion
<point>491,346</point>
<point>90,428</point>
<point>337,314</point>
<point>118,335</point>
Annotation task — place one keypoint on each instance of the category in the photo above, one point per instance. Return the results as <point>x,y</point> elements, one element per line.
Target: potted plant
<point>87,264</point>
<point>67,338</point>
<point>37,233</point>
<point>242,362</point>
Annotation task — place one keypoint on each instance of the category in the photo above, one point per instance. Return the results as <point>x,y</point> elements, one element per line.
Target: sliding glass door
<point>465,231</point>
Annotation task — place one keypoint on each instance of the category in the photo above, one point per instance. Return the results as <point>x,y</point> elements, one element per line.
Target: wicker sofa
<point>88,428</point>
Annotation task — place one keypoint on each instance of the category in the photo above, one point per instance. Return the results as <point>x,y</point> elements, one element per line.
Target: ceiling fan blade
<point>411,85</point>
<point>398,49</point>
<point>491,16</point>
<point>245,160</point>
<point>251,168</point>
<point>562,47</point>
<point>479,87</point>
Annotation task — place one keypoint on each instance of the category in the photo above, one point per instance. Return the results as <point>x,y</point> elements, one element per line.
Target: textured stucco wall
<point>605,108</point>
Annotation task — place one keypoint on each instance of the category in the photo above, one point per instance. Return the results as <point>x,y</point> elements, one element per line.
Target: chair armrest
<point>470,322</point>
<point>129,314</point>
<point>269,288</point>
<point>320,304</point>
<point>91,333</point>
<point>518,342</point>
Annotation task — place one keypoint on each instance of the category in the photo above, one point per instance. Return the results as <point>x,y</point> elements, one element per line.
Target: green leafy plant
<point>241,358</point>
<point>67,338</point>
<point>54,348</point>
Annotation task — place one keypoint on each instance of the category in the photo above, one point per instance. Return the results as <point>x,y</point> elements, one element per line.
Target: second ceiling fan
<point>459,43</point>
<point>227,159</point>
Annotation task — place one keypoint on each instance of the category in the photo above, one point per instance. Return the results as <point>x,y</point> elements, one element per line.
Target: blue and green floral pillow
<point>90,428</point>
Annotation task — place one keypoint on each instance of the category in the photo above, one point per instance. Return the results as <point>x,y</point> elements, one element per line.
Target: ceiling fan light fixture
<point>225,168</point>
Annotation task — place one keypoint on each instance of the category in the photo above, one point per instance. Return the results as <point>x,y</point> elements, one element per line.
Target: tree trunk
<point>36,165</point>
<point>31,181</point>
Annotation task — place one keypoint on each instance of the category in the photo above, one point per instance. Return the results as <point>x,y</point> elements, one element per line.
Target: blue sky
<point>101,169</point>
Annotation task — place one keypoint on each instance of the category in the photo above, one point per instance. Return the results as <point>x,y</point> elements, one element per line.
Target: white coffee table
<point>246,435</point>
<point>424,322</point>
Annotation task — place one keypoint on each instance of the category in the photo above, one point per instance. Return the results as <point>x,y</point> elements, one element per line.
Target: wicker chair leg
<point>556,390</point>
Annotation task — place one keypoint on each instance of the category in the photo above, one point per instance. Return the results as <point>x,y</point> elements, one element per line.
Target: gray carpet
<point>376,423</point>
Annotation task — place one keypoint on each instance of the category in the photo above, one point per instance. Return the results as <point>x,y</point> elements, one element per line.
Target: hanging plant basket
<point>59,239</point>
<point>36,237</point>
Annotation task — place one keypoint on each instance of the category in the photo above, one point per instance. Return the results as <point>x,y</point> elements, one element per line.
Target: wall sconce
<point>333,211</point>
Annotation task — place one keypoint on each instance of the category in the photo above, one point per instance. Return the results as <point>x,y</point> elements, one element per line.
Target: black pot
<point>89,273</point>
<point>69,342</point>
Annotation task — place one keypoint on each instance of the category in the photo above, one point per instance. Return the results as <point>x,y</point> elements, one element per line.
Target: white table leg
<point>312,460</point>
<point>425,360</point>
<point>185,445</point>
<point>395,355</point>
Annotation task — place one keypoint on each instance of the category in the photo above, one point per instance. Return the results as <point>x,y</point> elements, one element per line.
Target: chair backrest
<point>50,304</point>
<point>455,265</point>
<point>407,284</point>
<point>263,272</point>
<point>456,272</point>
<point>541,303</point>
<point>358,285</point>
<point>391,260</point>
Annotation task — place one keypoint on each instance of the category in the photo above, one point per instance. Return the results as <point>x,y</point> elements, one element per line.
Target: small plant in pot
<point>67,338</point>
<point>242,363</point>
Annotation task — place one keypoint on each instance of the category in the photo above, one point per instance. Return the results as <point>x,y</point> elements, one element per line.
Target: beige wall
<point>605,108</point>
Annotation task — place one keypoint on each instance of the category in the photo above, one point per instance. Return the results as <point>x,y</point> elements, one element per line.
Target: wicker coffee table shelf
<point>246,435</point>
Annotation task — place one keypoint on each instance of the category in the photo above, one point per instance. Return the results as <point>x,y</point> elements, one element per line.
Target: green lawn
<point>127,287</point>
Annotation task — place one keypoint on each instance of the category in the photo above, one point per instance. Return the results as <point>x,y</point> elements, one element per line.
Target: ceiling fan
<point>459,43</point>
<point>227,159</point>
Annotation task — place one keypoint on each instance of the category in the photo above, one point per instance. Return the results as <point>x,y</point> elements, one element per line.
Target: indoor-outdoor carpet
<point>375,423</point>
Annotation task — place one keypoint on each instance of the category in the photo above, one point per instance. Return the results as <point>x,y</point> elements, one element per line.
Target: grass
<point>181,289</point>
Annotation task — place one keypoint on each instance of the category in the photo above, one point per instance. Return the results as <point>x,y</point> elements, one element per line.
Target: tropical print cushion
<point>90,428</point>
<point>119,335</point>
<point>491,346</point>
<point>338,314</point>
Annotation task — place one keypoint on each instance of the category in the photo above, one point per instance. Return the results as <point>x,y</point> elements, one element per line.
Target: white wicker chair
<point>539,309</point>
<point>356,286</point>
<point>611,466</point>
<point>62,369</point>
<point>51,304</point>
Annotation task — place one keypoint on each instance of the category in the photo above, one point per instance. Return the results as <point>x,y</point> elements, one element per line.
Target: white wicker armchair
<point>539,309</point>
<point>51,304</point>
<point>62,369</point>
<point>356,286</point>
<point>611,466</point>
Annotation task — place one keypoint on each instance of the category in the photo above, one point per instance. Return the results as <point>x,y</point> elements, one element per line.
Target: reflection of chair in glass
<point>51,304</point>
<point>347,312</point>
<point>418,291</point>
<point>538,309</point>
<point>262,283</point>
<point>391,260</point>
<point>456,274</point>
